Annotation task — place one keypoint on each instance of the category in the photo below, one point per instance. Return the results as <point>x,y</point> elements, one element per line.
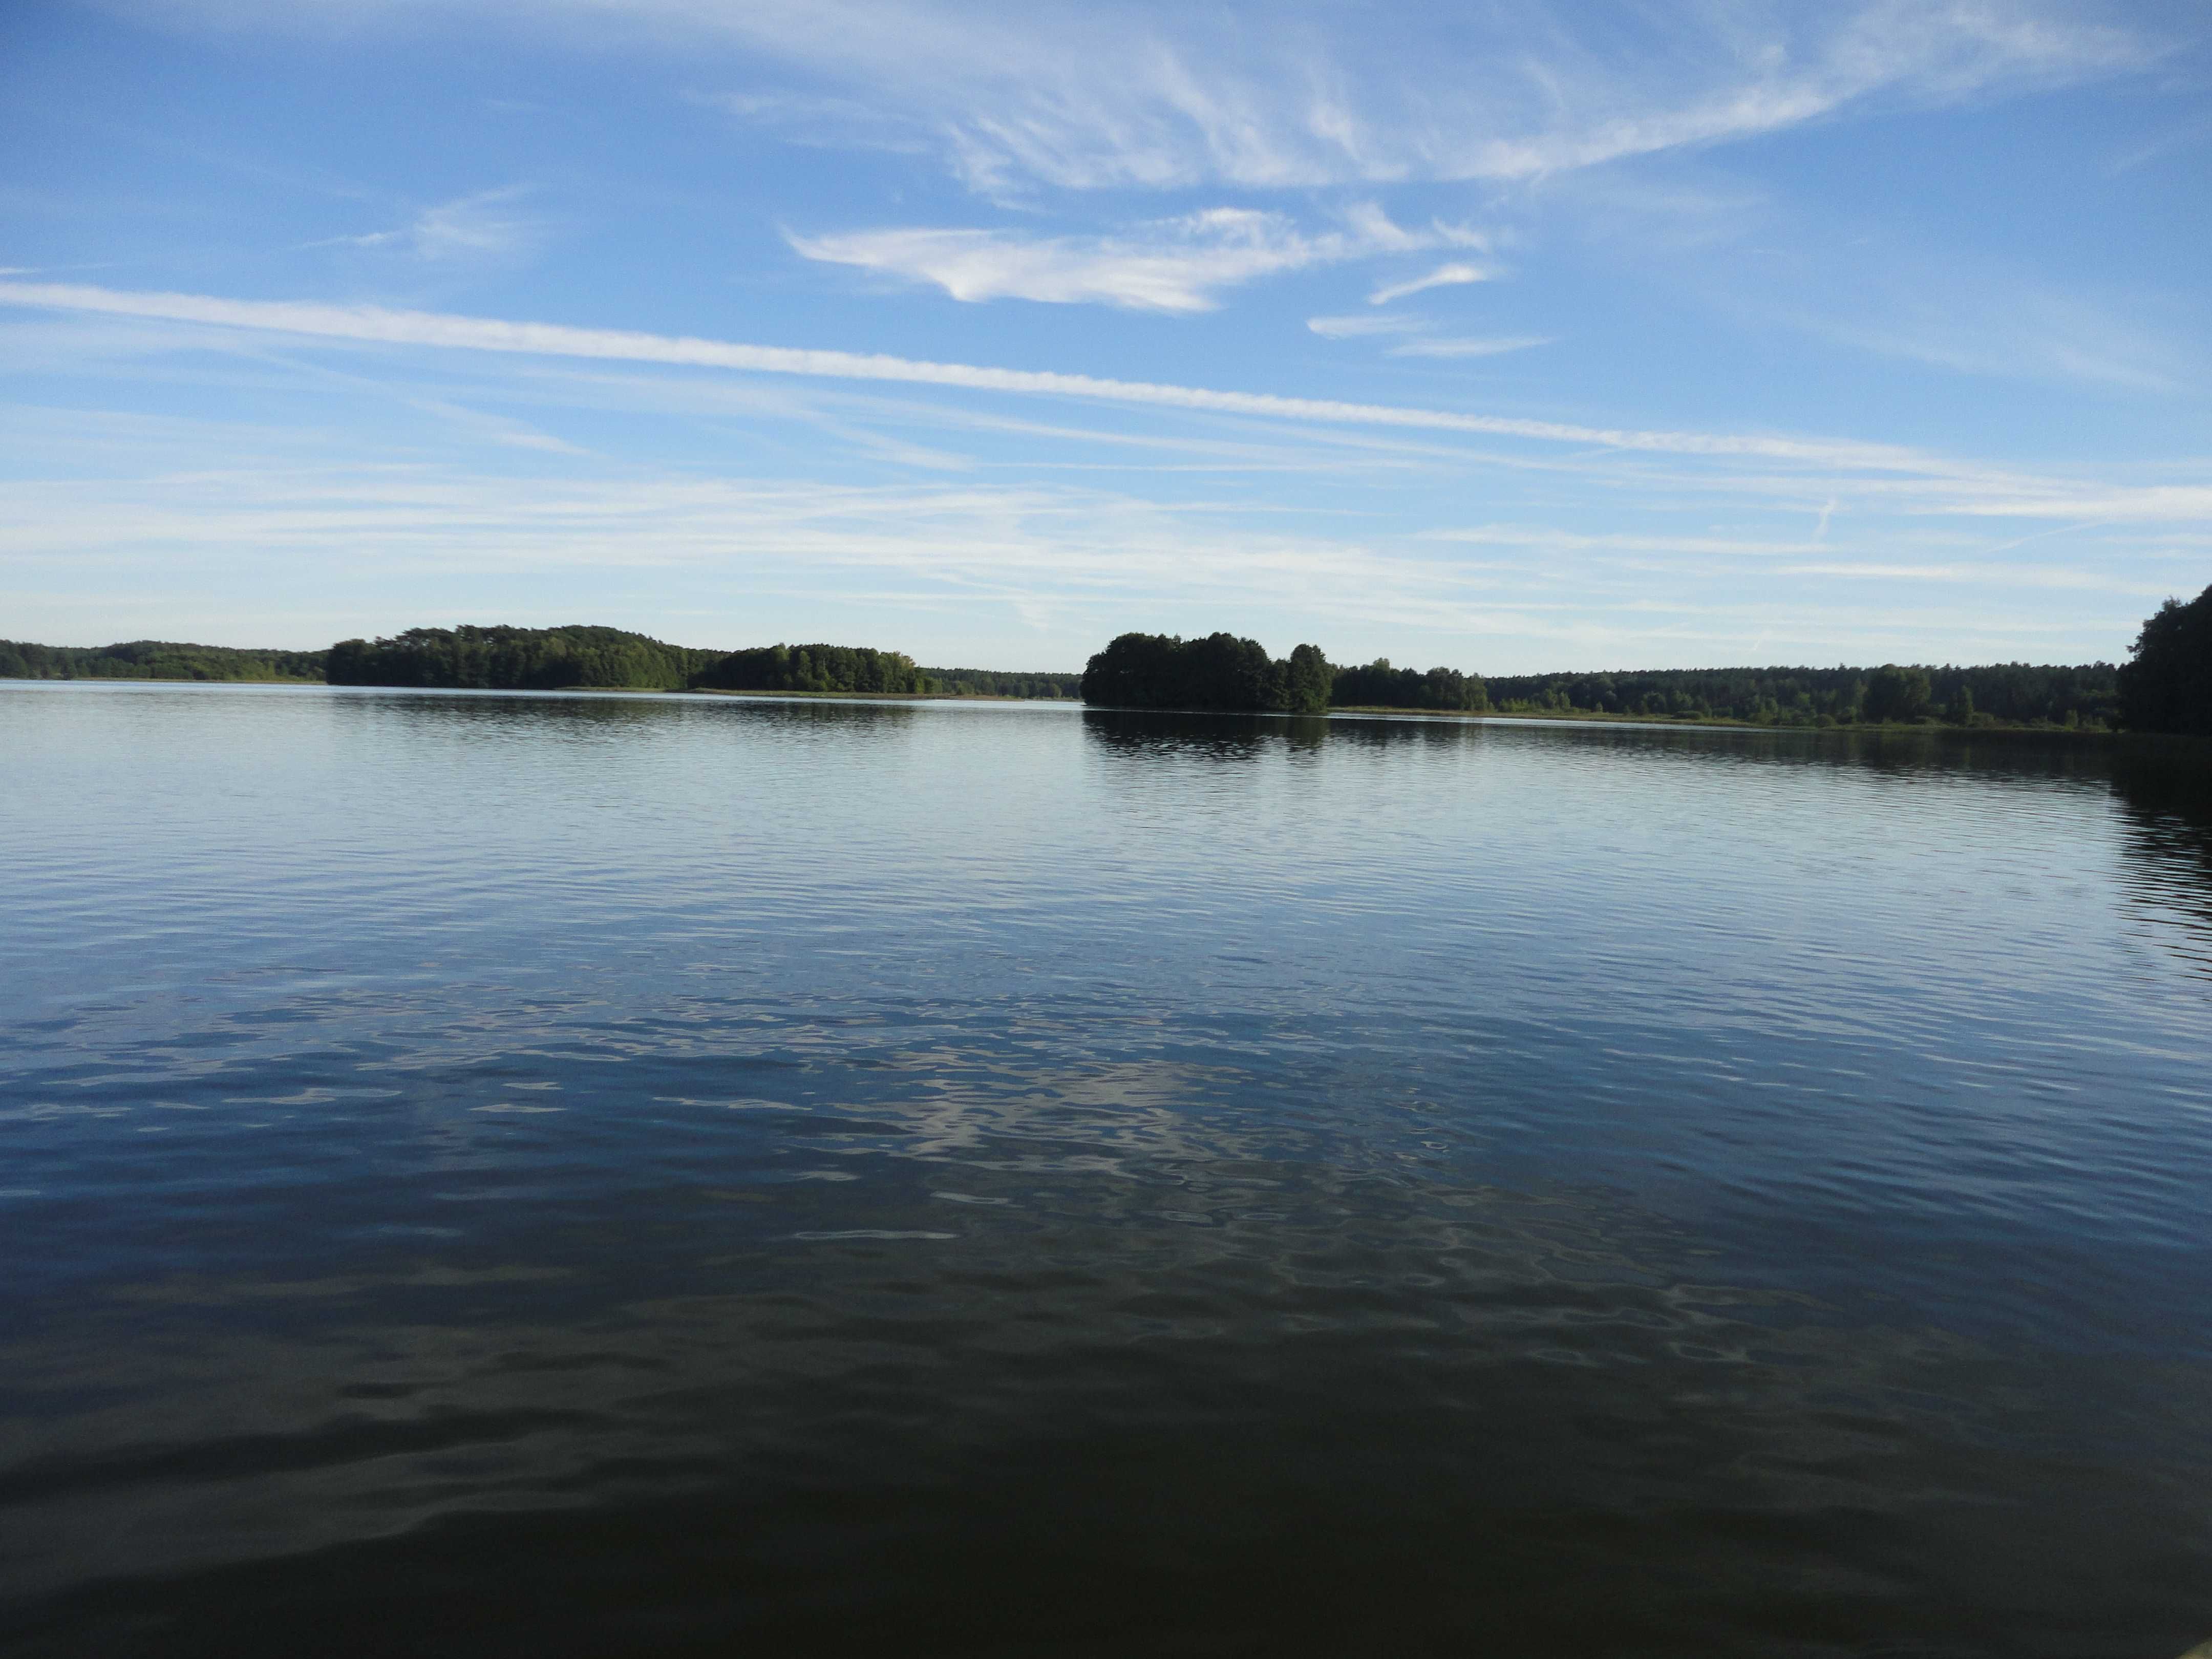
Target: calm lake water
<point>564,1174</point>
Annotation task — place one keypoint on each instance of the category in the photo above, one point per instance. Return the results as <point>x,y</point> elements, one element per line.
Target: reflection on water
<point>578,1174</point>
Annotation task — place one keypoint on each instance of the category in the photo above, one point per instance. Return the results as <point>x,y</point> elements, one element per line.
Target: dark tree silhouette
<point>2167,685</point>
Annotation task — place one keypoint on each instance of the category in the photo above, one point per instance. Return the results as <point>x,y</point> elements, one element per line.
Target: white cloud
<point>483,226</point>
<point>1442,276</point>
<point>1479,346</point>
<point>1361,327</point>
<point>1169,265</point>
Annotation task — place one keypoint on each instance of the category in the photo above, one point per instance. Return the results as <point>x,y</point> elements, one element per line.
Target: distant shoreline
<point>1570,716</point>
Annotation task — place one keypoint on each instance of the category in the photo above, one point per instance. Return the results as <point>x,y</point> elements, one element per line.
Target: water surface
<point>550,1175</point>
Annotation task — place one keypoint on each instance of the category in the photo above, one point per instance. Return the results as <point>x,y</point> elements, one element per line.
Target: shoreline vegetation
<point>2165,687</point>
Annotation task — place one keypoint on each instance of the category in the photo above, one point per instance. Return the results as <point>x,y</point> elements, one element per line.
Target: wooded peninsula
<point>2165,686</point>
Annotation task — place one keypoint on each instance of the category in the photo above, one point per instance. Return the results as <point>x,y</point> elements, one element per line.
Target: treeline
<point>1002,683</point>
<point>1163,671</point>
<point>2000,694</point>
<point>155,659</point>
<point>503,659</point>
<point>1378,685</point>
<point>815,668</point>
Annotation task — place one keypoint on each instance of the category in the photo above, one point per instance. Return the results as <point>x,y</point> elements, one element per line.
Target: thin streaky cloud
<point>1484,346</point>
<point>1910,476</point>
<point>1451,275</point>
<point>377,325</point>
<point>1358,327</point>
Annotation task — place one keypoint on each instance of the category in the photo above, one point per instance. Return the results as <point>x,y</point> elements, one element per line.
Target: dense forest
<point>814,668</point>
<point>155,659</point>
<point>2168,687</point>
<point>2000,694</point>
<point>517,659</point>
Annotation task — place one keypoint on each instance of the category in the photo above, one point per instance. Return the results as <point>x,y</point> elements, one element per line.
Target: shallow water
<point>549,1175</point>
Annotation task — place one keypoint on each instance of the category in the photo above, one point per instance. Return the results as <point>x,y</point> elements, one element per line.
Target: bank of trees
<point>1222,671</point>
<point>1378,685</point>
<point>502,658</point>
<point>1996,693</point>
<point>1003,683</point>
<point>2167,685</point>
<point>154,659</point>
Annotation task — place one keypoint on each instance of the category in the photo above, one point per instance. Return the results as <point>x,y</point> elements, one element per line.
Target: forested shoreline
<point>2084,697</point>
<point>2165,686</point>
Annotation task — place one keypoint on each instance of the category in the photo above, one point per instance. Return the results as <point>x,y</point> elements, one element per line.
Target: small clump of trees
<point>817,668</point>
<point>1222,671</point>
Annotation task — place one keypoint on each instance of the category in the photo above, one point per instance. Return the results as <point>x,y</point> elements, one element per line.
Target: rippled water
<point>565,1175</point>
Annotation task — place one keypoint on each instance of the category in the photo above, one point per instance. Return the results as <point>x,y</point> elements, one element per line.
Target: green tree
<point>2166,686</point>
<point>1307,681</point>
<point>1897,694</point>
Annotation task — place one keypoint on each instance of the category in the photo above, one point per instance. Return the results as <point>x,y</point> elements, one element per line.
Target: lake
<point>550,1175</point>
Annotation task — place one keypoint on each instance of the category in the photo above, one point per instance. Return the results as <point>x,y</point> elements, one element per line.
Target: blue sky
<point>1506,336</point>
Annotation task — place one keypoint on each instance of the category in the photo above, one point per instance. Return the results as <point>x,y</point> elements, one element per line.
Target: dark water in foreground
<point>487,1174</point>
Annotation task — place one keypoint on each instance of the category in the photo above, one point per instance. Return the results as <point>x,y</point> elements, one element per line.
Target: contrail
<point>376,325</point>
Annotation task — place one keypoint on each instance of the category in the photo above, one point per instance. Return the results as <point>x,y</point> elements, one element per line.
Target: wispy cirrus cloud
<point>1360,327</point>
<point>1131,95</point>
<point>1126,94</point>
<point>483,226</point>
<point>822,121</point>
<point>1485,345</point>
<point>1178,265</point>
<point>1416,336</point>
<point>1451,275</point>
